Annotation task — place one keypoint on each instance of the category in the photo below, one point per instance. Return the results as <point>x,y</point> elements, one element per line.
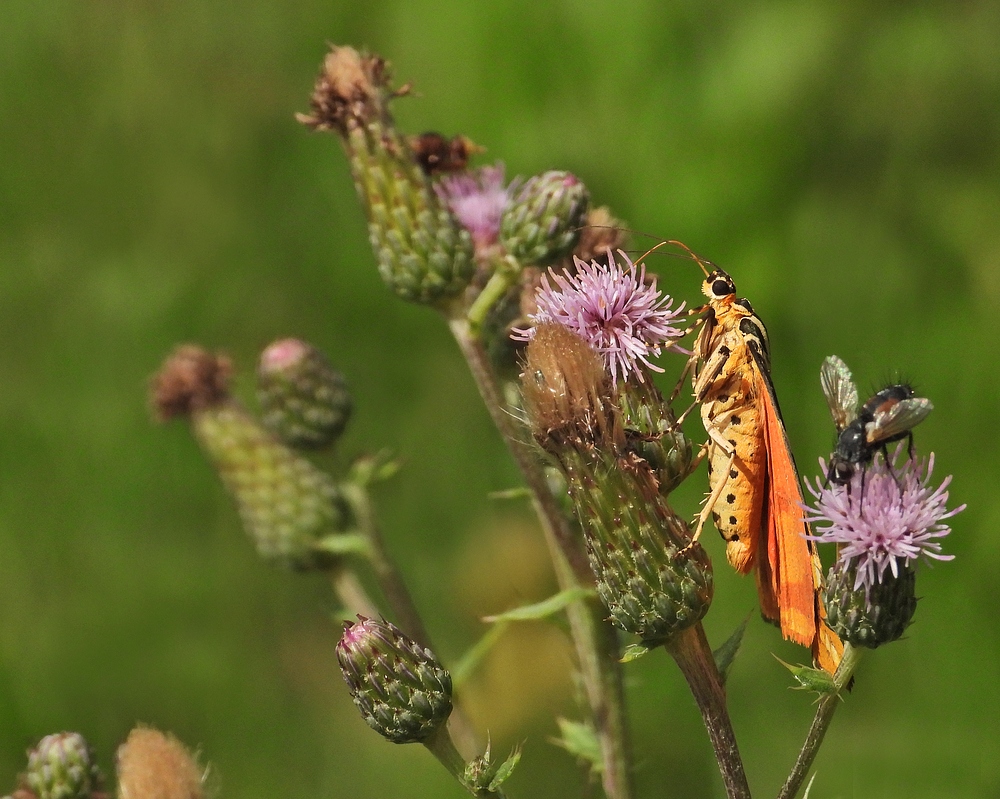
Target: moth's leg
<point>716,439</point>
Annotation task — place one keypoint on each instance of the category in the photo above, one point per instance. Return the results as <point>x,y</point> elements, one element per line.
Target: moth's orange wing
<point>793,574</point>
<point>788,555</point>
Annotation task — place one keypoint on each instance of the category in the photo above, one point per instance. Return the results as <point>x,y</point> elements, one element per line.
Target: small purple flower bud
<point>402,691</point>
<point>613,309</point>
<point>304,400</point>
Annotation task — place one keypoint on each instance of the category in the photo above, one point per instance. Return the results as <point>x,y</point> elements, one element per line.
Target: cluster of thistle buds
<point>149,765</point>
<point>456,238</point>
<point>290,508</point>
<point>533,280</point>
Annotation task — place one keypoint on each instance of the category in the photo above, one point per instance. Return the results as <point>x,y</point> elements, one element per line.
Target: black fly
<point>890,415</point>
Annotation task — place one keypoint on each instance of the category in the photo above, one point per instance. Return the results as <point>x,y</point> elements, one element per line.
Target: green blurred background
<point>840,159</point>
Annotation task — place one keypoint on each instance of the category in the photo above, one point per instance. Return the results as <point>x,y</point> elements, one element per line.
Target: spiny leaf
<point>726,654</point>
<point>636,651</point>
<point>377,468</point>
<point>579,739</point>
<point>810,679</point>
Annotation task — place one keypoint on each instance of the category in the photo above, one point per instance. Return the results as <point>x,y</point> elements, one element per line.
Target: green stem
<point>821,722</point>
<point>389,579</point>
<point>694,657</point>
<point>504,276</point>
<point>350,592</point>
<point>443,748</point>
<point>595,640</point>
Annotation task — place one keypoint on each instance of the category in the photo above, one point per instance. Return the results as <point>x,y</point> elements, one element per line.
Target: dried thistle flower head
<point>191,379</point>
<point>348,90</point>
<point>566,389</point>
<point>154,765</point>
<point>614,309</point>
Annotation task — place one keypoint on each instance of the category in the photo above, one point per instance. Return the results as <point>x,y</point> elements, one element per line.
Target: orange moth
<point>755,500</point>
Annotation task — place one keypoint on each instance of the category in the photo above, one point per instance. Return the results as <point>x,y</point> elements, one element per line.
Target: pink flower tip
<point>477,199</point>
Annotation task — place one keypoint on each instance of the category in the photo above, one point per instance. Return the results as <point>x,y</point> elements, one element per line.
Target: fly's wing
<point>898,420</point>
<point>840,391</point>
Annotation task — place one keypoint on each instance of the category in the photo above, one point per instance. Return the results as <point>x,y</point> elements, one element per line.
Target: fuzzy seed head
<point>152,765</point>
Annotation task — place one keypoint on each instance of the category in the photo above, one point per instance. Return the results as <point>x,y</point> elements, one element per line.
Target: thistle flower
<point>612,308</point>
<point>884,519</point>
<point>402,691</point>
<point>423,254</point>
<point>287,504</point>
<point>477,199</point>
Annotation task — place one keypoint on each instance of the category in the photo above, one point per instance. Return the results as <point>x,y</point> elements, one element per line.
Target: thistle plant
<point>566,335</point>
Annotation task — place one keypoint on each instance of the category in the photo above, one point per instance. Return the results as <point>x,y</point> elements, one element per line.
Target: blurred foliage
<point>839,159</point>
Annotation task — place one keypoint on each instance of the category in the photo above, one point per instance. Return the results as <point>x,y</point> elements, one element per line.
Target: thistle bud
<point>62,766</point>
<point>286,503</point>
<point>304,400</point>
<point>653,580</point>
<point>541,223</point>
<point>423,254</point>
<point>602,236</point>
<point>869,616</point>
<point>402,691</point>
<point>651,433</point>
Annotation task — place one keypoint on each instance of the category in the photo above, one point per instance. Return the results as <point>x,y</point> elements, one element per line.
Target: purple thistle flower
<point>477,199</point>
<point>884,516</point>
<point>613,309</point>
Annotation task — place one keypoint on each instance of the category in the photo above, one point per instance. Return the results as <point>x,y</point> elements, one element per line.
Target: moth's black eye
<point>720,288</point>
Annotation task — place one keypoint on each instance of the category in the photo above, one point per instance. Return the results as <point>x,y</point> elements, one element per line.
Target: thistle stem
<point>821,722</point>
<point>595,640</point>
<point>694,657</point>
<point>351,592</point>
<point>389,579</point>
<point>398,596</point>
<point>504,276</point>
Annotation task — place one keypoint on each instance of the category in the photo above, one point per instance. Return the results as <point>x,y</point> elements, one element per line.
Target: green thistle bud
<point>402,691</point>
<point>869,617</point>
<point>651,433</point>
<point>286,503</point>
<point>305,401</point>
<point>652,579</point>
<point>62,766</point>
<point>423,254</point>
<point>542,221</point>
